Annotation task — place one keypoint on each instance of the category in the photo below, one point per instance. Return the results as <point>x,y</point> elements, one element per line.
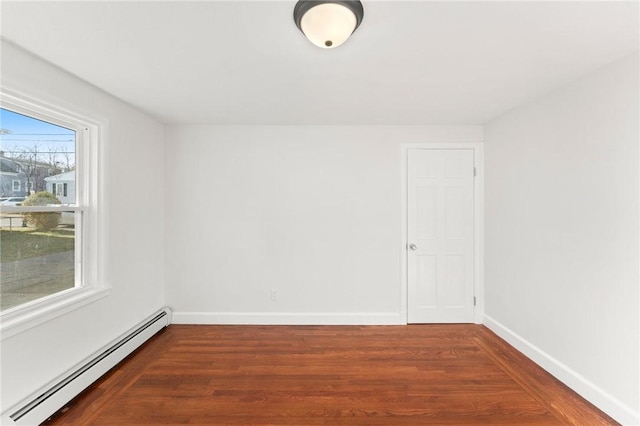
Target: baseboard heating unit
<point>52,397</point>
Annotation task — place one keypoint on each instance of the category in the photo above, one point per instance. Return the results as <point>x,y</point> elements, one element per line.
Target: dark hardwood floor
<point>328,375</point>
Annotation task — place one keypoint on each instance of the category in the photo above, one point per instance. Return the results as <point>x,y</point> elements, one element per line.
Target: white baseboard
<point>281,318</point>
<point>589,391</point>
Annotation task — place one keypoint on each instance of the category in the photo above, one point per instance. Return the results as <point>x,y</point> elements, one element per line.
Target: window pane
<point>37,250</point>
<point>35,263</point>
<point>36,156</point>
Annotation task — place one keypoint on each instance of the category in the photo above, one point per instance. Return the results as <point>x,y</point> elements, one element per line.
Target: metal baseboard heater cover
<point>51,398</point>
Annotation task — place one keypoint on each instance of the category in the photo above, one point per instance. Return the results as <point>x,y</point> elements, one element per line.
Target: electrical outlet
<point>274,295</point>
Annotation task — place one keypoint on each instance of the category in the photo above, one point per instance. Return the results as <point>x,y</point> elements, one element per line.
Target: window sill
<point>20,319</point>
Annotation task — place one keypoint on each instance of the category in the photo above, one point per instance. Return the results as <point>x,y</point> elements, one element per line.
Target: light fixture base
<point>328,23</point>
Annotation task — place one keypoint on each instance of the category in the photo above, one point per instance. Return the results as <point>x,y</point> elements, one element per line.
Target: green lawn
<point>23,243</point>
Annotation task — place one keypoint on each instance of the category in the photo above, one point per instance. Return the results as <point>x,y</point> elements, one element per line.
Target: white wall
<point>311,211</point>
<point>561,232</point>
<point>133,185</point>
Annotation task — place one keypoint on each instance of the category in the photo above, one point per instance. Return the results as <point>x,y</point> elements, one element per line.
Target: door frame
<point>478,222</point>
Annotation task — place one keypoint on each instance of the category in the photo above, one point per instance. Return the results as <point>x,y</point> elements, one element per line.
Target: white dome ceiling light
<point>328,24</point>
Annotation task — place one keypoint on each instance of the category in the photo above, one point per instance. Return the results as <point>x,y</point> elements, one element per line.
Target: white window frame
<point>89,280</point>
<point>13,185</point>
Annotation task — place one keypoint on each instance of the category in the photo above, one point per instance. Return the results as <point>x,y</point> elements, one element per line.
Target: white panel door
<point>440,235</point>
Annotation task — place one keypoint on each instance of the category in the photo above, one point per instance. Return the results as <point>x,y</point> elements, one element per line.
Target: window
<point>15,187</point>
<point>60,189</point>
<point>49,240</point>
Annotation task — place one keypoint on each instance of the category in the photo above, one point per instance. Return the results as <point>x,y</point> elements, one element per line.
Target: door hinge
<point>475,172</point>
<point>474,301</point>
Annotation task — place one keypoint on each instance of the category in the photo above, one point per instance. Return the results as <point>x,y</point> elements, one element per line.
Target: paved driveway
<point>29,279</point>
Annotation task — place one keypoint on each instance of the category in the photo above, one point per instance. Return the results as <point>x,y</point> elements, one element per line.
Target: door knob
<point>413,247</point>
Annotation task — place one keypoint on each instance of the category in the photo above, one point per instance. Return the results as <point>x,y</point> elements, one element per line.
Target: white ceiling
<point>241,62</point>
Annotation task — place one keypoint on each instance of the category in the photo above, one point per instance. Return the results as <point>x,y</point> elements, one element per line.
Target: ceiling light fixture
<point>328,24</point>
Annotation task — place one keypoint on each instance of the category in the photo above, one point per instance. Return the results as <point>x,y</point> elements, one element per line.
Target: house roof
<point>8,166</point>
<point>62,177</point>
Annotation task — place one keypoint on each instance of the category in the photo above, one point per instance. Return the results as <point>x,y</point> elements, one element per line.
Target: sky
<point>22,135</point>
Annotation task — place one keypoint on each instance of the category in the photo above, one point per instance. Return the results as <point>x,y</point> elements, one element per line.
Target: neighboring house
<point>13,181</point>
<point>21,177</point>
<point>63,186</point>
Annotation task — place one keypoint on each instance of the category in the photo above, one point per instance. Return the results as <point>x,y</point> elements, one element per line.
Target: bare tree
<point>68,159</point>
<point>37,163</point>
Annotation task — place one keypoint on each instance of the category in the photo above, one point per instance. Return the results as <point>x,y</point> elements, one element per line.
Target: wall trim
<point>588,390</point>
<point>16,321</point>
<point>286,318</point>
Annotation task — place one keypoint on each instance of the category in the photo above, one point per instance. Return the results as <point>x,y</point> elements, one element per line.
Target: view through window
<point>38,237</point>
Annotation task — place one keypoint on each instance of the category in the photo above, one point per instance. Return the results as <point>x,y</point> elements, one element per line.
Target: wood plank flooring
<point>328,375</point>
